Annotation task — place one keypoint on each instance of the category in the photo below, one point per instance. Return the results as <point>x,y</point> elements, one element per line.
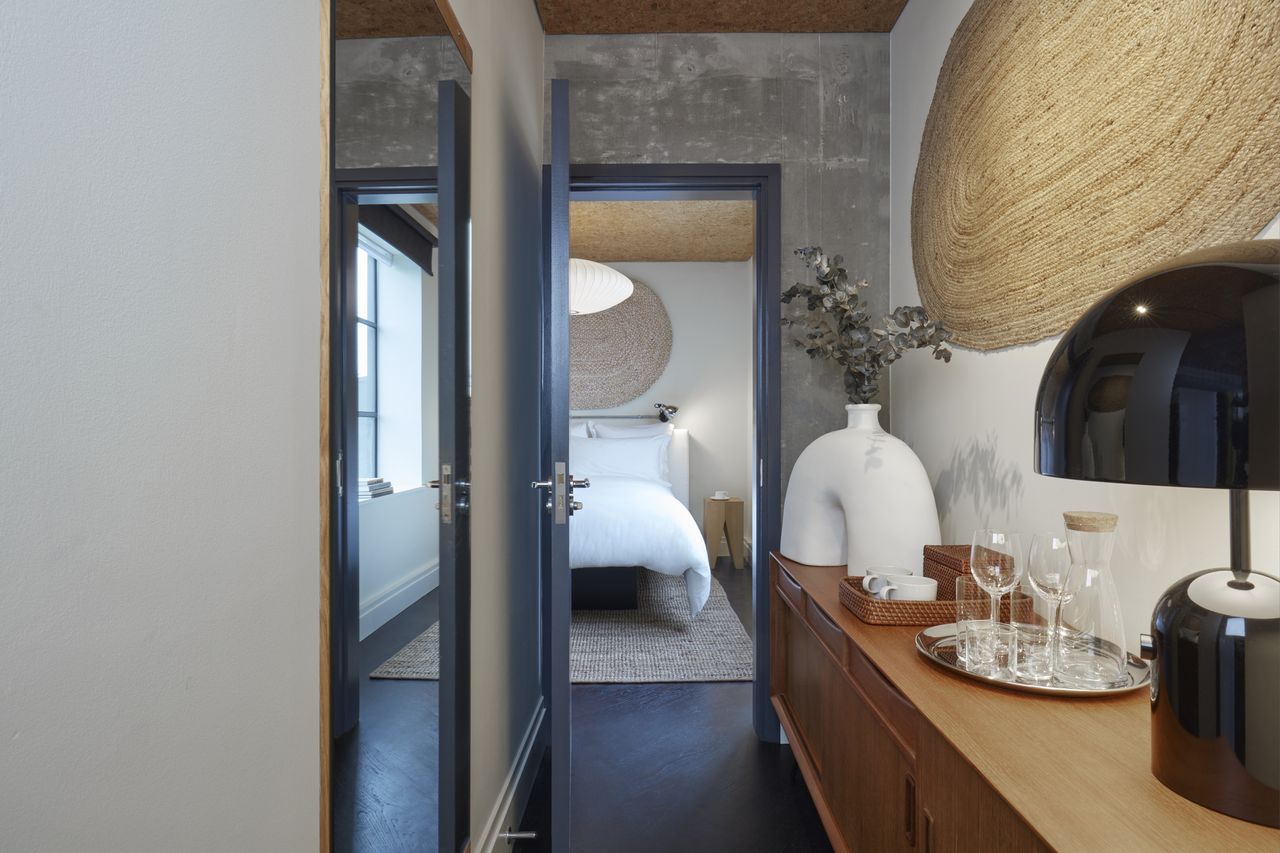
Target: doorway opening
<point>757,188</point>
<point>399,598</point>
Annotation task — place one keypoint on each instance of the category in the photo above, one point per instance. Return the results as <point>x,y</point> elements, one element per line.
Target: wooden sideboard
<point>902,755</point>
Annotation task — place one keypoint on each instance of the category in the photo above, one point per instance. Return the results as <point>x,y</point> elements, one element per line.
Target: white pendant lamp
<point>594,287</point>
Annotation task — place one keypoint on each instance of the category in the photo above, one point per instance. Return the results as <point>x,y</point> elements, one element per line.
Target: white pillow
<point>599,430</point>
<point>639,458</point>
<point>638,431</point>
<point>579,430</point>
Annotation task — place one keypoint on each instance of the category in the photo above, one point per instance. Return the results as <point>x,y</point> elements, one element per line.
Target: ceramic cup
<point>901,587</point>
<point>720,495</point>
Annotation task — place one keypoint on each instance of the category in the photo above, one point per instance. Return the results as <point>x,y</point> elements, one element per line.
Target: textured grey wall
<point>817,104</point>
<point>385,99</point>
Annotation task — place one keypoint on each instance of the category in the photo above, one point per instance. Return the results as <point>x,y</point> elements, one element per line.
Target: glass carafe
<point>1093,652</point>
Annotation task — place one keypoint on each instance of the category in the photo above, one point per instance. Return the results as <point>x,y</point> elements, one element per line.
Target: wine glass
<point>1050,573</point>
<point>996,563</point>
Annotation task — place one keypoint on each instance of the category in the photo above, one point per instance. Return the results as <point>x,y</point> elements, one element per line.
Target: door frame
<point>764,181</point>
<point>350,188</point>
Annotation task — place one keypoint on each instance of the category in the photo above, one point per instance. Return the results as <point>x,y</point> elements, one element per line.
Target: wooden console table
<point>900,755</point>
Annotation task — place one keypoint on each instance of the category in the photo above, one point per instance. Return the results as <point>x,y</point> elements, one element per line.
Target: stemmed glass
<point>995,561</point>
<point>1052,579</point>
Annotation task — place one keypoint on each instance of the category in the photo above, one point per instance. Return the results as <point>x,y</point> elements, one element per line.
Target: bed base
<point>606,588</point>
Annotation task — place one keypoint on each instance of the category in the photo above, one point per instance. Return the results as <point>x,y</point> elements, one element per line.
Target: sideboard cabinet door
<point>871,783</point>
<point>959,811</point>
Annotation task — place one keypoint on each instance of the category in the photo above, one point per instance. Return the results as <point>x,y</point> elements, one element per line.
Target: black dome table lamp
<point>1173,379</point>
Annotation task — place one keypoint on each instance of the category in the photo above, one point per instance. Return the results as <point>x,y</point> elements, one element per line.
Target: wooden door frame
<point>764,181</point>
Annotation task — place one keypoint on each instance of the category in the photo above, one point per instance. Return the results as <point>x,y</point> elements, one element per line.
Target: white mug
<point>721,495</point>
<point>901,587</point>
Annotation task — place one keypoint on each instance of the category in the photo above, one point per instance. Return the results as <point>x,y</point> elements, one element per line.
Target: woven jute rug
<point>656,642</point>
<point>617,354</point>
<point>1072,143</point>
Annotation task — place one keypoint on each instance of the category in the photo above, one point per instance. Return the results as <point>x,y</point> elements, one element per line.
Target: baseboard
<point>516,788</point>
<point>386,604</point>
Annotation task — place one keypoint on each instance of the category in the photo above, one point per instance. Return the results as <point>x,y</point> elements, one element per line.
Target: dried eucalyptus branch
<point>839,326</point>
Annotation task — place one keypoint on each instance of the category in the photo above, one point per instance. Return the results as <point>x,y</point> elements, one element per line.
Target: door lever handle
<point>540,484</point>
<point>584,483</point>
<point>434,484</point>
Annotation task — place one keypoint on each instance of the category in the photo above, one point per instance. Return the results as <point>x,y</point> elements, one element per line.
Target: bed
<point>635,515</point>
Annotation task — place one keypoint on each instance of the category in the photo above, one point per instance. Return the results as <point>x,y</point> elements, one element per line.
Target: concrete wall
<point>385,99</point>
<point>817,104</point>
<point>710,372</point>
<point>160,508</point>
<point>971,421</point>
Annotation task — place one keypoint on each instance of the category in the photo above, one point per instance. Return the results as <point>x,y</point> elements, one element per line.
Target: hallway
<point>677,768</point>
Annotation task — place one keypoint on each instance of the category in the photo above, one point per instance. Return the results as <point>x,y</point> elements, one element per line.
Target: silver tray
<point>938,644</point>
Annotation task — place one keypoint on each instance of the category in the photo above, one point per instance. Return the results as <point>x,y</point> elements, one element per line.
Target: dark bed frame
<point>606,588</point>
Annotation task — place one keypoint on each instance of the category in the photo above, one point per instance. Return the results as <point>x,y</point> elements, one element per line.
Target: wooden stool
<point>724,518</point>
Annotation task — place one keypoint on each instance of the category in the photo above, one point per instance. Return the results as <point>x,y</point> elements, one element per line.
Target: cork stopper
<point>1091,522</point>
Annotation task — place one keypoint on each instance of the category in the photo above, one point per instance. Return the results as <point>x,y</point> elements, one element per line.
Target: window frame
<point>371,278</point>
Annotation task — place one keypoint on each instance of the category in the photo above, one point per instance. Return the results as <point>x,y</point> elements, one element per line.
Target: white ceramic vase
<point>859,497</point>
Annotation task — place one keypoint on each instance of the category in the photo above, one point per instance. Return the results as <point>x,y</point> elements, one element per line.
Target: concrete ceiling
<point>562,17</point>
<point>662,230</point>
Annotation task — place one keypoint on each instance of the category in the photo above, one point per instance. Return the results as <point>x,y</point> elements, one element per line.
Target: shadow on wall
<point>977,472</point>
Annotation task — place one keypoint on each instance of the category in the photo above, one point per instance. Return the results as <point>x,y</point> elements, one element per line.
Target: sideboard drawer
<point>894,710</point>
<point>790,589</point>
<point>831,635</point>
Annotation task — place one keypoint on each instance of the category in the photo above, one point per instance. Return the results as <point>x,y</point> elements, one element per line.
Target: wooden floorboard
<point>386,770</point>
<point>656,767</point>
<point>677,768</point>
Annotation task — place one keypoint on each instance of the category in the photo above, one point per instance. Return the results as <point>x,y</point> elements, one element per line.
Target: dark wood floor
<point>386,770</point>
<point>677,768</point>
<point>674,768</point>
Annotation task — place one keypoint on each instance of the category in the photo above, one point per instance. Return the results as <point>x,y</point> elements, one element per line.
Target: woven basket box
<point>943,563</point>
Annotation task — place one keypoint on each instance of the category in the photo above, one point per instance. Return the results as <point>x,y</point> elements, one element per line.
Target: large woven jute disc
<point>1072,143</point>
<point>617,354</point>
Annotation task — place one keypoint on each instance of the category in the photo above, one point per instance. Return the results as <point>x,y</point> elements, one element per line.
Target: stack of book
<point>374,487</point>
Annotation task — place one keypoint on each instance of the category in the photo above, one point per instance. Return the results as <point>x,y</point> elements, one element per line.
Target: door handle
<point>584,483</point>
<point>544,484</point>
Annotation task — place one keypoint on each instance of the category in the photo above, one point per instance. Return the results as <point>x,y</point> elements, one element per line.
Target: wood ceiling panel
<point>564,17</point>
<point>368,19</point>
<point>662,230</point>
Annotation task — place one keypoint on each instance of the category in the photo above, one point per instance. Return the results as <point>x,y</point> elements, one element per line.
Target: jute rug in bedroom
<point>656,642</point>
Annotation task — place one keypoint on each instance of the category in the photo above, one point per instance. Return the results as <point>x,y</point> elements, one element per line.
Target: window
<point>367,362</point>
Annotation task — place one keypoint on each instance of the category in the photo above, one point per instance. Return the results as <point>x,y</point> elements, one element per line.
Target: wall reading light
<point>666,411</point>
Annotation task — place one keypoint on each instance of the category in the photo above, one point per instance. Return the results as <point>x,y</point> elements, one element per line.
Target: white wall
<point>971,421</point>
<point>506,149</point>
<point>399,554</point>
<point>709,376</point>
<point>159,516</point>
<point>400,532</point>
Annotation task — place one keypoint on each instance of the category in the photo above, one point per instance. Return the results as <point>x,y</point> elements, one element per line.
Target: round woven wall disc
<point>1071,143</point>
<point>617,354</point>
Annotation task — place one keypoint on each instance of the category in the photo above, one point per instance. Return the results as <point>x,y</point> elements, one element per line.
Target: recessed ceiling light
<point>1140,308</point>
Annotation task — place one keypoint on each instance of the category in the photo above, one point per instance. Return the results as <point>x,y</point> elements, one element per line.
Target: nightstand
<point>724,518</point>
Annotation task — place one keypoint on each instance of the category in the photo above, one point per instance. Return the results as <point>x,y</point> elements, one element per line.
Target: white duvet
<point>632,522</point>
